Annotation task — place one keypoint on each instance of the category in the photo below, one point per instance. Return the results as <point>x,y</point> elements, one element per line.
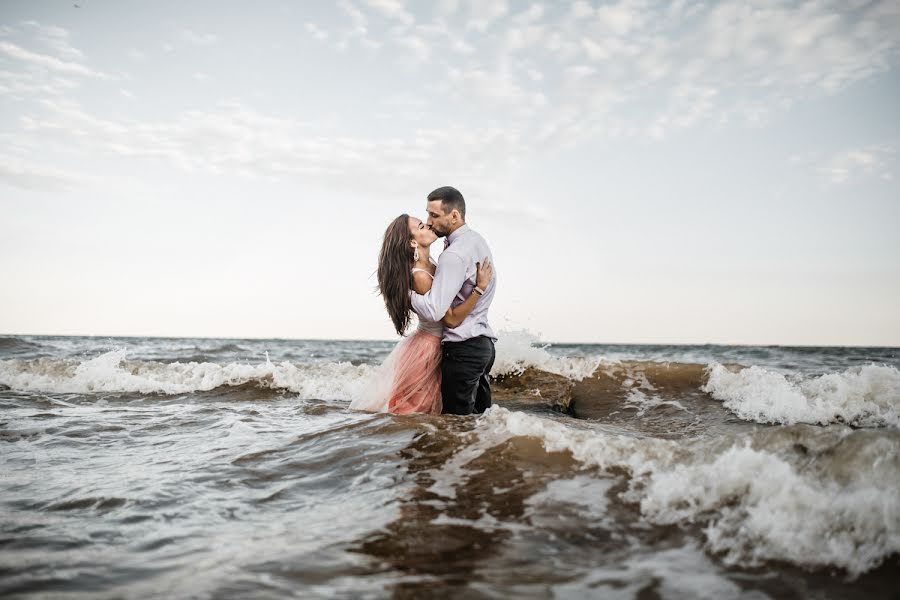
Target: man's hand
<point>484,273</point>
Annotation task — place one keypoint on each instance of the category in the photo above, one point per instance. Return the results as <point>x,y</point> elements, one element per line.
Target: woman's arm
<point>484,272</point>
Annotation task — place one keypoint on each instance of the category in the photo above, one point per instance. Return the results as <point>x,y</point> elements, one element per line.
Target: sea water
<point>212,468</point>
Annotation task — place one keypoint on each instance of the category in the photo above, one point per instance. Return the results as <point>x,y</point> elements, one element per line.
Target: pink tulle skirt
<point>416,386</point>
<point>409,380</point>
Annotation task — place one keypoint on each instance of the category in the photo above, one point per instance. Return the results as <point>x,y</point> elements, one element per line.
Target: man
<point>467,350</point>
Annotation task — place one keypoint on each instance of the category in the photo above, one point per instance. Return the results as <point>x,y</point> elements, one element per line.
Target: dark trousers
<point>465,386</point>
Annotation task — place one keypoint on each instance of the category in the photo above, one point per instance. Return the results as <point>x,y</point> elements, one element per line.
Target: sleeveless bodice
<point>432,327</point>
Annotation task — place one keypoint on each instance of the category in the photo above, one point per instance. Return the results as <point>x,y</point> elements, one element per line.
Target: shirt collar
<point>458,233</point>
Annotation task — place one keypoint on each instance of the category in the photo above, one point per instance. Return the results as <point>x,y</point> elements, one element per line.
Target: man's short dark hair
<point>450,198</point>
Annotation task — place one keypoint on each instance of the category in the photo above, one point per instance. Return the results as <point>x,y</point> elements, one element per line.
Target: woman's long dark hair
<point>394,275</point>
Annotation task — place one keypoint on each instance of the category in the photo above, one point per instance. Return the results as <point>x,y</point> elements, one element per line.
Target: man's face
<point>438,220</point>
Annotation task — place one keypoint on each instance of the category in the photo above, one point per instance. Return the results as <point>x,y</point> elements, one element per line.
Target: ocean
<point>230,468</point>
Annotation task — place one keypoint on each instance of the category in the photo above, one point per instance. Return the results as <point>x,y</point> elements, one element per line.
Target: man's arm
<point>449,279</point>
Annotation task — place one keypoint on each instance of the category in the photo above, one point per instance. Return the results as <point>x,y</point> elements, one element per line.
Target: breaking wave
<point>867,396</point>
<point>112,372</point>
<point>776,494</point>
<point>519,350</point>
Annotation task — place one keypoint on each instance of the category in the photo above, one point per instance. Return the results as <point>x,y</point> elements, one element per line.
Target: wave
<point>592,388</point>
<point>810,496</point>
<point>110,372</point>
<point>519,350</point>
<point>867,396</point>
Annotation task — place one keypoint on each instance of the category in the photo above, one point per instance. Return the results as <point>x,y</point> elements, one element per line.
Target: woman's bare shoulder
<point>421,282</point>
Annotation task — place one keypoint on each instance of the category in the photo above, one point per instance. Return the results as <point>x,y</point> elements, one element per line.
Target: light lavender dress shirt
<point>454,281</point>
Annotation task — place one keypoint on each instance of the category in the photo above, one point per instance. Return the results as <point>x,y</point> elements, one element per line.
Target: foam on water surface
<point>519,350</point>
<point>629,501</point>
<point>867,396</point>
<point>110,372</point>
<point>755,504</point>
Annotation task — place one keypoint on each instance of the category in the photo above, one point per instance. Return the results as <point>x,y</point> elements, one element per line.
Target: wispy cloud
<point>21,85</point>
<point>482,13</point>
<point>55,38</point>
<point>234,138</point>
<point>417,46</point>
<point>19,173</point>
<point>672,66</point>
<point>853,163</point>
<point>46,61</point>
<point>358,31</point>
<point>316,32</point>
<point>394,9</point>
<point>540,72</point>
<point>198,39</point>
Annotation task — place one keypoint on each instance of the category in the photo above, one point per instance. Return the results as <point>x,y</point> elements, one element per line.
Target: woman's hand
<point>484,272</point>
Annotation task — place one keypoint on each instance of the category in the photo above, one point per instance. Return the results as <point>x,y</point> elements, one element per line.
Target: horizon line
<point>314,339</point>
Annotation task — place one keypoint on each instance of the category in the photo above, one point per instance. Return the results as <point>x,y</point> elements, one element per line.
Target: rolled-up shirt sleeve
<point>449,279</point>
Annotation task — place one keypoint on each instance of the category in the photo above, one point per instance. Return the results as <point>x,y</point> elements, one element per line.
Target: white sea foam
<point>863,396</point>
<point>676,573</point>
<point>110,372</point>
<point>641,402</point>
<point>756,503</point>
<point>519,350</point>
<point>586,492</point>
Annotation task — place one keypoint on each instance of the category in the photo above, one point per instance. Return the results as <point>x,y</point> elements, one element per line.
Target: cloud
<point>56,38</point>
<point>25,84</point>
<point>528,66</point>
<point>531,14</point>
<point>233,138</point>
<point>317,33</point>
<point>539,73</point>
<point>30,176</point>
<point>621,18</point>
<point>688,104</point>
<point>420,50</point>
<point>447,8</point>
<point>581,9</point>
<point>855,163</point>
<point>393,9</point>
<point>49,62</point>
<point>358,31</point>
<point>633,67</point>
<point>197,39</point>
<point>482,13</point>
<point>359,19</point>
<point>496,88</point>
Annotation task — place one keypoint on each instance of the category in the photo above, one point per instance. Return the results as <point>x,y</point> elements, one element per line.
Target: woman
<point>409,380</point>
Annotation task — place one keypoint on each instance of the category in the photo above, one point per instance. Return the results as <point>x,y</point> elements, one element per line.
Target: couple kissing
<point>443,366</point>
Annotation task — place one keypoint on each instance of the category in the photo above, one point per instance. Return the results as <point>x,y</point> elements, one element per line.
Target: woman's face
<point>421,233</point>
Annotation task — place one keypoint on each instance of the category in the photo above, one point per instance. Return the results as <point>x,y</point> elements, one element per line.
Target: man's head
<point>446,210</point>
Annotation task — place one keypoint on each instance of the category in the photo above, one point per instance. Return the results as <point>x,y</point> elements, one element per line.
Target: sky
<point>645,172</point>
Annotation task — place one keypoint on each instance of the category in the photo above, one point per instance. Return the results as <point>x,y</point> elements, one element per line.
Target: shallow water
<point>137,467</point>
